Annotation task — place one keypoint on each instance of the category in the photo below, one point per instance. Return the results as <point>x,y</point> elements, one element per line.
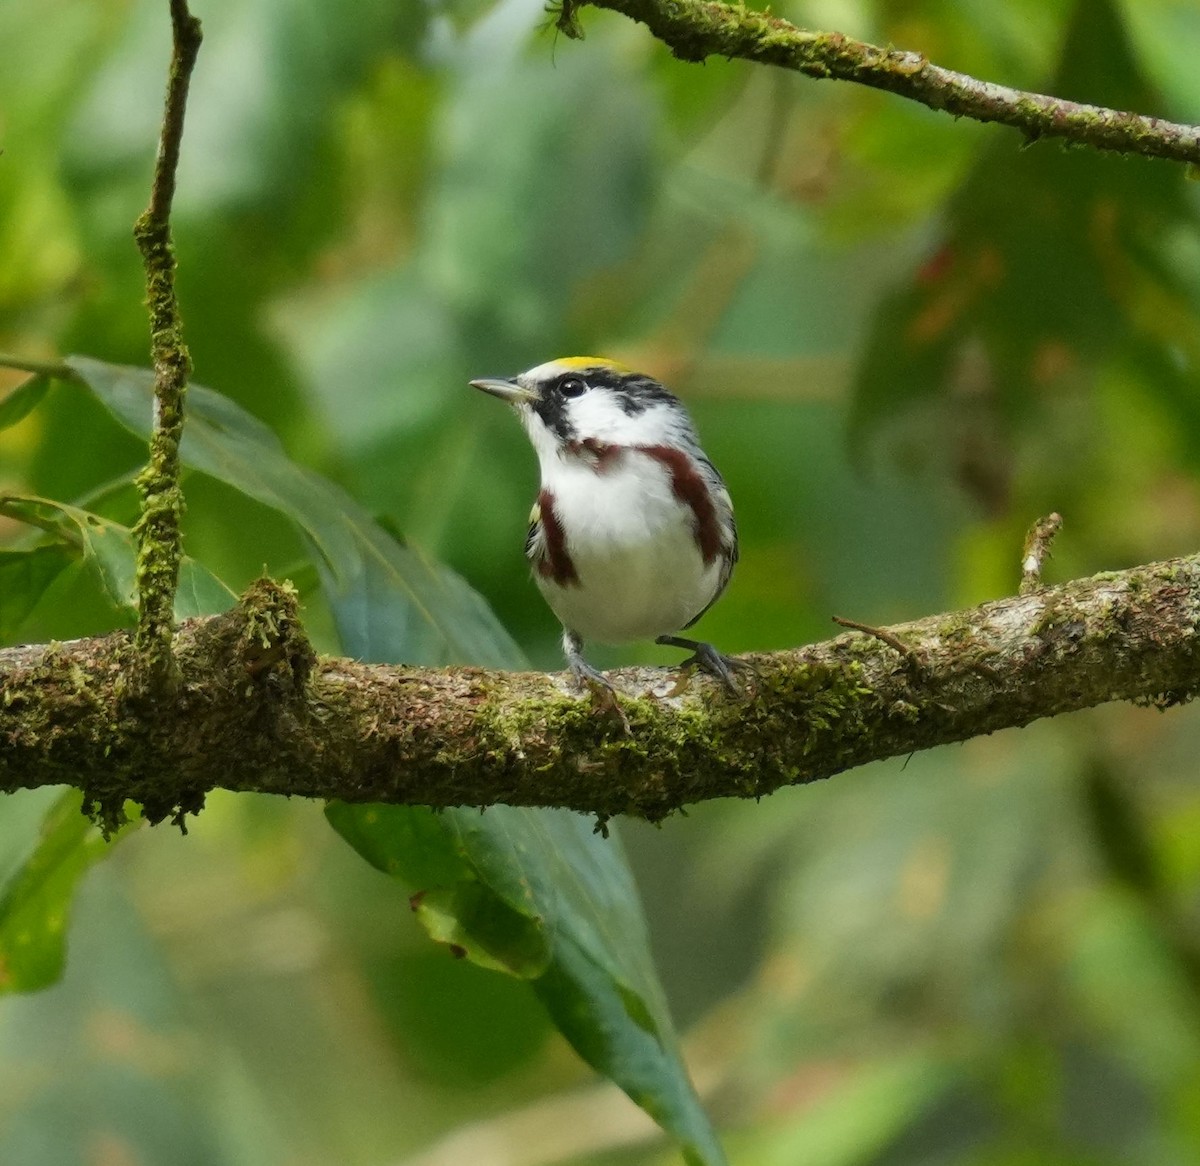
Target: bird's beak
<point>506,390</point>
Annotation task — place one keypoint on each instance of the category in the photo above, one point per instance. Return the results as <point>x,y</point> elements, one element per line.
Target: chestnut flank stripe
<point>557,564</point>
<point>691,490</point>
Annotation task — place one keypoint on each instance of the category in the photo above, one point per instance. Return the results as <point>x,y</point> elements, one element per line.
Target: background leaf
<point>26,397</point>
<point>432,616</point>
<point>108,548</point>
<point>24,577</point>
<point>989,332</point>
<point>36,899</point>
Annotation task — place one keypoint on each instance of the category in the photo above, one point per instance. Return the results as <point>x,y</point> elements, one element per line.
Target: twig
<point>882,634</point>
<point>158,527</point>
<point>46,368</point>
<point>1037,549</point>
<point>696,29</point>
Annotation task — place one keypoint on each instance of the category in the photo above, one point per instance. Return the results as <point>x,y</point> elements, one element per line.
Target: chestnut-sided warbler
<point>632,535</point>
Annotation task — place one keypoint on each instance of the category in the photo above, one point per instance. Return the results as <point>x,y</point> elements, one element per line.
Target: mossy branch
<point>697,29</point>
<point>256,710</point>
<point>158,533</point>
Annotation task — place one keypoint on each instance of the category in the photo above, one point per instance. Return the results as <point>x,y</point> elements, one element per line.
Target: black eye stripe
<point>551,407</point>
<point>633,393</point>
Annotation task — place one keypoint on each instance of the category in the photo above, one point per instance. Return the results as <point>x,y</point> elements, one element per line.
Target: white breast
<point>631,540</point>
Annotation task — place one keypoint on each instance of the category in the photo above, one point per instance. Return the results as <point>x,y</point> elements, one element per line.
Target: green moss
<point>674,753</point>
<point>862,646</point>
<point>957,628</point>
<point>90,727</point>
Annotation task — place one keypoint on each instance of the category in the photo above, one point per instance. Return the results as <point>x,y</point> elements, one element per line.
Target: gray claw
<point>586,676</point>
<point>708,659</point>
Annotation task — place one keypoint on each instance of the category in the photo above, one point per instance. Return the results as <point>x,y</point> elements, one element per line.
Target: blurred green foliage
<point>902,337</point>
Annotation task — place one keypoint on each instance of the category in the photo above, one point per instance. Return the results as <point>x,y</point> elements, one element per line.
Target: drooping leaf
<point>455,903</point>
<point>108,548</point>
<point>389,602</point>
<point>539,895</point>
<point>23,400</point>
<point>36,898</point>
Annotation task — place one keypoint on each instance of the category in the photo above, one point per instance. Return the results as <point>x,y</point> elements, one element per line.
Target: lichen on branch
<point>256,711</point>
<point>158,529</point>
<point>697,29</point>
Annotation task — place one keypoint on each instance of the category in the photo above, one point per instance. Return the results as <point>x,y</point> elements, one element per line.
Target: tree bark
<point>256,710</point>
<point>697,29</point>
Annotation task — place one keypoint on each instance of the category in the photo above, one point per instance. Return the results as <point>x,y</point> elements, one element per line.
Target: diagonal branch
<point>696,29</point>
<point>160,544</point>
<point>257,711</point>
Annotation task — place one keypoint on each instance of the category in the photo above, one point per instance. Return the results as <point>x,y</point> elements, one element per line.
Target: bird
<point>632,535</point>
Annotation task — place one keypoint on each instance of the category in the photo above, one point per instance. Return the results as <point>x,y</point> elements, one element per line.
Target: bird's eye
<point>572,387</point>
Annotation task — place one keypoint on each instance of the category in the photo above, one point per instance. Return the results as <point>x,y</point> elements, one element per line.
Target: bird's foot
<point>708,659</point>
<point>585,676</point>
<point>604,695</point>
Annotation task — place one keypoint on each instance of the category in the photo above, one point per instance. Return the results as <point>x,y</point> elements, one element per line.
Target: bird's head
<point>578,400</point>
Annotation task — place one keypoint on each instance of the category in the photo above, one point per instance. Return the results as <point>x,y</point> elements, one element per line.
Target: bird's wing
<point>727,524</point>
<point>723,505</point>
<point>535,538</point>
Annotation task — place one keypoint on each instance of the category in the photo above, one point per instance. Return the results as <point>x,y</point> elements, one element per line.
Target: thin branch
<point>158,527</point>
<point>47,368</point>
<point>697,29</point>
<point>1037,550</point>
<point>256,710</point>
<point>893,642</point>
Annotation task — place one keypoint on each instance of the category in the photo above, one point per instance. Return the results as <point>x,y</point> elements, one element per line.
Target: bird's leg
<point>601,688</point>
<point>707,658</point>
<point>585,675</point>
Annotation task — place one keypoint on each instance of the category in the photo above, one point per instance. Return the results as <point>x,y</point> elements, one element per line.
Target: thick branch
<point>256,711</point>
<point>696,29</point>
<point>158,527</point>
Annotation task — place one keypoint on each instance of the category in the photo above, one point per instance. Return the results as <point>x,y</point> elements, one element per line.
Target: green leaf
<point>389,601</point>
<point>23,400</point>
<point>36,898</point>
<point>455,906</point>
<point>108,548</point>
<point>24,577</point>
<point>539,895</point>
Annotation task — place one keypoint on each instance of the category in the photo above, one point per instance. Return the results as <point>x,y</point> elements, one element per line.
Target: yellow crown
<point>591,362</point>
